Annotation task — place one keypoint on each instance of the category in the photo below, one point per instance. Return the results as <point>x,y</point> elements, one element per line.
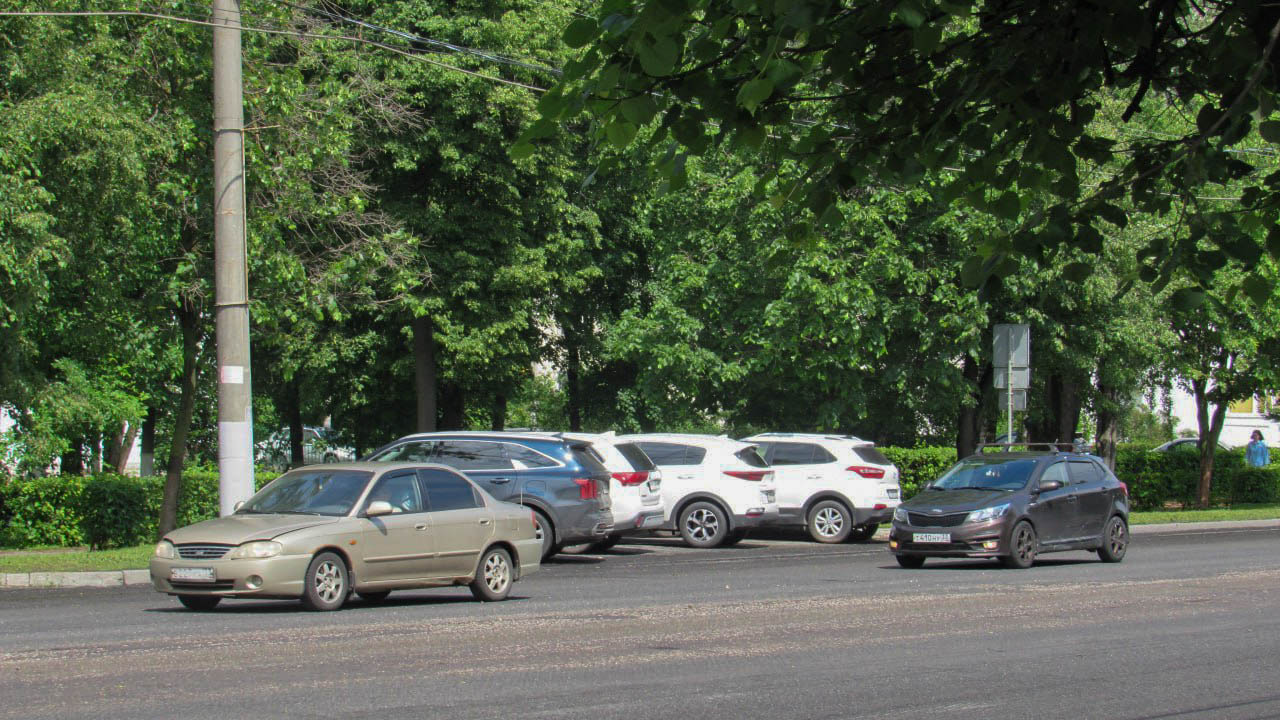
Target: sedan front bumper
<point>277,577</point>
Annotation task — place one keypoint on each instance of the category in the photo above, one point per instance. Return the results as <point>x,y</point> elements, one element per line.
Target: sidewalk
<point>118,578</point>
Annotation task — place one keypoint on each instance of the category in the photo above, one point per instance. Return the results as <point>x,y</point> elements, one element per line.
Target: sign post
<point>1012,361</point>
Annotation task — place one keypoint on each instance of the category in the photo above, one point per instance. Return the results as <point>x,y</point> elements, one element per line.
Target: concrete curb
<point>118,578</point>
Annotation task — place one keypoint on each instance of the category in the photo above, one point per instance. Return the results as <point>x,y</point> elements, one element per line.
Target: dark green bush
<point>919,466</point>
<point>118,511</point>
<point>1255,485</point>
<point>41,511</point>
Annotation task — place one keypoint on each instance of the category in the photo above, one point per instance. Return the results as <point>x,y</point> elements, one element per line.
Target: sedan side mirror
<point>239,505</point>
<point>1047,485</point>
<point>378,507</point>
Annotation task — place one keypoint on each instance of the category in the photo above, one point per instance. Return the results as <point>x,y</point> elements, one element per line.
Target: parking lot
<point>778,626</point>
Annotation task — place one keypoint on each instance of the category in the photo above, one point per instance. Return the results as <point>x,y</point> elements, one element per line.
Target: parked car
<point>320,532</point>
<point>838,487</point>
<point>319,445</point>
<point>1015,506</point>
<point>634,490</point>
<point>1184,445</point>
<point>714,489</point>
<point>559,479</point>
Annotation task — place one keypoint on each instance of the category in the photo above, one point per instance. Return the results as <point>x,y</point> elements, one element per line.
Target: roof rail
<point>1029,445</point>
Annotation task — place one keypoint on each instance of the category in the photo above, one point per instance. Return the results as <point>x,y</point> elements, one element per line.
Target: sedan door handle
<point>499,481</point>
<point>420,526</point>
<point>484,521</point>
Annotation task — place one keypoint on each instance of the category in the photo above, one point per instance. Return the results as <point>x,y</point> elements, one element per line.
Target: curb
<point>119,578</point>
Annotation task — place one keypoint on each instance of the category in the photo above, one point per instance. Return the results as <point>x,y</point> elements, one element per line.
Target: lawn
<point>132,558</point>
<point>1243,511</point>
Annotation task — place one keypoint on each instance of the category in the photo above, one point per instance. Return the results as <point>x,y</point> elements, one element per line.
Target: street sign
<point>1021,377</point>
<point>1012,346</point>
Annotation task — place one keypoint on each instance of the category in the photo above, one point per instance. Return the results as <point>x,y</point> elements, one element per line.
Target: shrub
<point>919,466</point>
<point>41,511</point>
<point>1255,485</point>
<point>118,511</point>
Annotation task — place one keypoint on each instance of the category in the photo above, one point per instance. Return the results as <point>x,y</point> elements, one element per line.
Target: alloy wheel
<point>703,525</point>
<point>329,582</point>
<point>828,522</point>
<point>497,573</point>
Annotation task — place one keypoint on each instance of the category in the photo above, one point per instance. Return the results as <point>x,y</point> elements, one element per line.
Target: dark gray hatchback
<point>1015,506</point>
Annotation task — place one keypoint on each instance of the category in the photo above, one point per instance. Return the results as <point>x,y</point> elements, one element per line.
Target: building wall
<point>1242,419</point>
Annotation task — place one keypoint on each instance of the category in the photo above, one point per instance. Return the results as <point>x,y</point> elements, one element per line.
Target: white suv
<point>635,485</point>
<point>714,489</point>
<point>838,486</point>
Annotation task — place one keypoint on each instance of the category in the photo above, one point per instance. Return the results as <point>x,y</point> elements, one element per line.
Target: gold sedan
<point>319,533</point>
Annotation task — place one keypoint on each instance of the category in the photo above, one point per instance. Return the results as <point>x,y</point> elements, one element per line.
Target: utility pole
<point>231,281</point>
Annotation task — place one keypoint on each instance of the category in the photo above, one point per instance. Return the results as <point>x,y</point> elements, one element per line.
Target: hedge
<point>102,511</point>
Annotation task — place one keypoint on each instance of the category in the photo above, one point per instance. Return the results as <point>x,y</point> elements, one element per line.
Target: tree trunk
<point>126,449</point>
<point>499,414</point>
<point>114,445</point>
<point>296,457</point>
<point>73,459</point>
<point>147,467</point>
<point>1108,419</point>
<point>1210,425</point>
<point>189,322</point>
<point>573,384</point>
<point>970,420</point>
<point>1068,410</point>
<point>95,452</point>
<point>454,409</point>
<point>424,357</point>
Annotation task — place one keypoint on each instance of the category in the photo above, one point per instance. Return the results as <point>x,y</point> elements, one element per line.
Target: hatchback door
<point>1094,493</point>
<point>461,523</point>
<point>1055,512</point>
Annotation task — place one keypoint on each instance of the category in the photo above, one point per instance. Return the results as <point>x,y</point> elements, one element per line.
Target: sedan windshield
<point>987,474</point>
<point>309,492</point>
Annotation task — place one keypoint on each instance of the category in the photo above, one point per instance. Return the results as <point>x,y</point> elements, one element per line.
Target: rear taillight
<point>867,471</point>
<point>753,475</point>
<point>631,478</point>
<point>587,488</point>
<point>1125,487</point>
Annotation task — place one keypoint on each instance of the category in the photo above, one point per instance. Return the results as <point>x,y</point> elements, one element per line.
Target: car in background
<point>634,490</point>
<point>319,533</point>
<point>564,484</point>
<point>319,445</point>
<point>1184,445</point>
<point>839,487</point>
<point>714,488</point>
<point>1015,506</point>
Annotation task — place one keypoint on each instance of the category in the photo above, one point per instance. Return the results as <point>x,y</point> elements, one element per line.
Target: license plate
<point>931,537</point>
<point>192,574</point>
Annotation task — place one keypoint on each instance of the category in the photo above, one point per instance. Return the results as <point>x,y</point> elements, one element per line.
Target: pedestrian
<point>1256,453</point>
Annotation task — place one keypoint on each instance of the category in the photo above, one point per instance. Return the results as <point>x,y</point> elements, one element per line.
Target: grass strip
<point>131,558</point>
<point>1243,511</point>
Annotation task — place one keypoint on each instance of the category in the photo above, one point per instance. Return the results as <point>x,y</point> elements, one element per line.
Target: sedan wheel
<point>1023,546</point>
<point>325,585</point>
<point>829,522</point>
<point>703,525</point>
<point>493,576</point>
<point>1115,540</point>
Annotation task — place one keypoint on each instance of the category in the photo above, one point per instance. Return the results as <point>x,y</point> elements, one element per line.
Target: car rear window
<point>672,453</point>
<point>586,458</point>
<point>412,451</point>
<point>634,455</point>
<point>751,456</point>
<point>872,455</point>
<point>530,457</point>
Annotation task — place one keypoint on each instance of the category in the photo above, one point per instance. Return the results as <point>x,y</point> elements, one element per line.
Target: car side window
<point>400,491</point>
<point>785,453</point>
<point>1083,471</point>
<point>412,451</point>
<point>529,457</point>
<point>473,455</point>
<point>1056,471</point>
<point>447,491</point>
<point>664,453</point>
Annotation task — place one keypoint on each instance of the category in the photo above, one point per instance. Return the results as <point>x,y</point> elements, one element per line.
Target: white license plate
<point>192,574</point>
<point>931,537</point>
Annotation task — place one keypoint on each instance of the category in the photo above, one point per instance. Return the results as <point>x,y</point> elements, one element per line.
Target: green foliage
<point>41,511</point>
<point>1160,479</point>
<point>919,466</point>
<point>118,511</point>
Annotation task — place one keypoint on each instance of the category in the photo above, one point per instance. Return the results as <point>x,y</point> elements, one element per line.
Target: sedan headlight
<point>165,550</point>
<point>986,514</point>
<point>900,515</point>
<point>257,550</point>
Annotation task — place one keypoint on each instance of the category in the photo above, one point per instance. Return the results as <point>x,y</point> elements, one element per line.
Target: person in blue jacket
<point>1256,453</point>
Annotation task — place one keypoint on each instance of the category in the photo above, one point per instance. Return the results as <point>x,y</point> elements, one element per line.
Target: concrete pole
<point>231,284</point>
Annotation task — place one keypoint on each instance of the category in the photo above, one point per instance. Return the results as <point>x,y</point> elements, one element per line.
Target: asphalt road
<point>1188,626</point>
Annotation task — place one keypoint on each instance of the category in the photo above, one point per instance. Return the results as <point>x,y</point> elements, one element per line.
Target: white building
<point>1242,419</point>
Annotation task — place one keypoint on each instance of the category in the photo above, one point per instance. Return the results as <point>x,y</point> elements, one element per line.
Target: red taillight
<point>753,475</point>
<point>631,478</point>
<point>867,471</point>
<point>880,506</point>
<point>1125,487</point>
<point>587,488</point>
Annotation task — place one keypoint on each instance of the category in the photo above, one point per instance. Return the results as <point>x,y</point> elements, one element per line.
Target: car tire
<point>326,584</point>
<point>703,525</point>
<point>374,597</point>
<point>863,533</point>
<point>546,532</point>
<point>734,538</point>
<point>829,522</point>
<point>1023,546</point>
<point>913,562</point>
<point>493,576</point>
<point>1115,540</point>
<point>201,603</point>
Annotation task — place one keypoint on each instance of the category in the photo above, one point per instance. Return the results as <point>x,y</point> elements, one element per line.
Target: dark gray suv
<point>1015,506</point>
<point>559,479</point>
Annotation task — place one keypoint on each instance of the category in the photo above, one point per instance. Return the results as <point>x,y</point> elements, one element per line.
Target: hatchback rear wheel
<point>1115,540</point>
<point>703,525</point>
